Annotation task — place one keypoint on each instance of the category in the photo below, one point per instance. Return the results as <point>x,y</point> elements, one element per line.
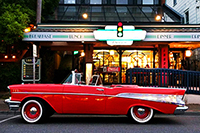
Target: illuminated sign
<point>120,29</point>
<point>75,52</point>
<point>111,69</point>
<point>172,36</point>
<point>109,34</point>
<point>129,35</point>
<point>56,36</point>
<point>27,69</point>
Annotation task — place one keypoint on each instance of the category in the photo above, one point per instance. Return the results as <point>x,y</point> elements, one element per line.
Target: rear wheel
<point>32,111</point>
<point>141,114</point>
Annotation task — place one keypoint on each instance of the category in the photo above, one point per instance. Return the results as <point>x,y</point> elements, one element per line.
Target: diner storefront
<point>86,33</point>
<point>161,48</point>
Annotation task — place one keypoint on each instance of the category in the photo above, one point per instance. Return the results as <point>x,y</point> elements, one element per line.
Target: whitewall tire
<point>141,114</point>
<point>32,111</point>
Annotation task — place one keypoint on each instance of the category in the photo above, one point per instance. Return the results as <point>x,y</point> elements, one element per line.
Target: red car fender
<point>40,97</point>
<point>143,105</point>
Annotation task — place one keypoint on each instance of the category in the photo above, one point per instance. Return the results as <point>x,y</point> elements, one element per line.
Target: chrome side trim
<point>164,88</point>
<point>49,93</point>
<point>163,98</point>
<point>172,99</point>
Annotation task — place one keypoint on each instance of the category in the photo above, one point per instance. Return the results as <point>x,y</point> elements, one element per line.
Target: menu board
<point>27,69</point>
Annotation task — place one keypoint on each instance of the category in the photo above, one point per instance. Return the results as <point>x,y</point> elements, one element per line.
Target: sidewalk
<point>192,101</point>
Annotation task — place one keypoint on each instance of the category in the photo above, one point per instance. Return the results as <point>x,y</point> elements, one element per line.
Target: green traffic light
<point>119,34</point>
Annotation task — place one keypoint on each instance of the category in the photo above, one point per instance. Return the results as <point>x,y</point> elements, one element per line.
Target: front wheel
<point>141,114</point>
<point>32,111</point>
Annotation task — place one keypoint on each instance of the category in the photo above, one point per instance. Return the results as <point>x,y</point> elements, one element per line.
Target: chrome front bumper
<point>13,105</point>
<point>180,110</point>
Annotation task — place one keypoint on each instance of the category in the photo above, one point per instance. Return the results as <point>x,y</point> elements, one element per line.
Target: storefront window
<point>157,60</point>
<point>106,64</point>
<point>175,58</point>
<point>136,59</point>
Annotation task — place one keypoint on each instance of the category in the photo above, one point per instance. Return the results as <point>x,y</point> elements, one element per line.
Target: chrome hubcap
<point>33,110</point>
<point>141,111</point>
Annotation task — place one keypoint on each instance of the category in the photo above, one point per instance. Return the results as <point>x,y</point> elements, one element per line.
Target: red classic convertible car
<point>39,101</point>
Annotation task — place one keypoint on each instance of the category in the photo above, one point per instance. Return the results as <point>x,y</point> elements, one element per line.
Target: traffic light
<point>120,29</point>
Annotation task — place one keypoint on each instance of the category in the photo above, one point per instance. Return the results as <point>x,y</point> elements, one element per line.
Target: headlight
<point>9,92</point>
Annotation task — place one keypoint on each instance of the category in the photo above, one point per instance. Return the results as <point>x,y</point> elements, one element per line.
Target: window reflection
<point>124,14</point>
<point>122,2</point>
<point>147,2</point>
<point>117,2</point>
<point>111,10</point>
<point>97,14</point>
<point>69,1</point>
<point>95,2</point>
<point>111,14</point>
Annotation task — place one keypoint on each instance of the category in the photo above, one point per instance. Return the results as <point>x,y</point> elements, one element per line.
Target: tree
<point>15,16</point>
<point>13,21</point>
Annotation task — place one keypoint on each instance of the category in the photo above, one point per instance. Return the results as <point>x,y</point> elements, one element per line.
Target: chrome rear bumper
<point>180,110</point>
<point>13,105</point>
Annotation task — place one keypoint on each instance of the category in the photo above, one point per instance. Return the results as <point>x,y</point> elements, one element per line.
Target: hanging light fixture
<point>188,53</point>
<point>28,29</point>
<point>14,57</point>
<point>112,52</point>
<point>85,15</point>
<point>82,54</point>
<point>6,56</point>
<point>158,17</point>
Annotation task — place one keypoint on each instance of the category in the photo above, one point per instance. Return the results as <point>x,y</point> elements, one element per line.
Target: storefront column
<point>163,61</point>
<point>154,57</point>
<point>88,50</point>
<point>120,65</point>
<point>163,56</point>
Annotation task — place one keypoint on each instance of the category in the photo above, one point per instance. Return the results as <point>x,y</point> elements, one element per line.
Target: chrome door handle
<point>100,89</point>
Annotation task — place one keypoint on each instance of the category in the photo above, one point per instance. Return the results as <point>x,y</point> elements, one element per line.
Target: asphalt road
<point>10,123</point>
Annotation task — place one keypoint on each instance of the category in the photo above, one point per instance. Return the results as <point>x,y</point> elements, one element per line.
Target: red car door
<point>83,99</point>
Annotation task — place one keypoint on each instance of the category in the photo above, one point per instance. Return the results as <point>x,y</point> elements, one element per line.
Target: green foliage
<point>29,6</point>
<point>9,74</point>
<point>15,17</point>
<point>12,23</point>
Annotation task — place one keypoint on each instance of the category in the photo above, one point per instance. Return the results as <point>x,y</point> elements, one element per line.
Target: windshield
<point>70,79</point>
